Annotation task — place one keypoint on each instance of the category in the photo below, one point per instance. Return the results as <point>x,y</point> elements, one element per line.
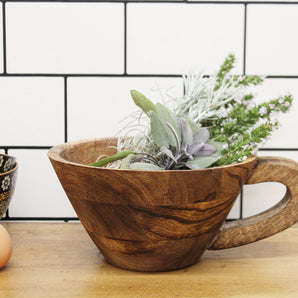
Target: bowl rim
<point>54,153</point>
<point>11,170</point>
<point>8,155</point>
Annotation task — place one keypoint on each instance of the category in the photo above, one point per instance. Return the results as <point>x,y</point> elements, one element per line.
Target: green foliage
<point>125,164</point>
<point>216,123</point>
<point>178,141</point>
<point>224,70</point>
<point>145,166</point>
<point>245,128</point>
<point>201,162</point>
<point>160,133</point>
<point>105,161</point>
<point>224,74</point>
<point>142,101</point>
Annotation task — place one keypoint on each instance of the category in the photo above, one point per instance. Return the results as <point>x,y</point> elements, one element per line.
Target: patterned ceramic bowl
<point>7,163</point>
<point>8,175</point>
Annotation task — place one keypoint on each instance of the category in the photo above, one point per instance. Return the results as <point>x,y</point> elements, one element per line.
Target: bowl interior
<point>85,152</point>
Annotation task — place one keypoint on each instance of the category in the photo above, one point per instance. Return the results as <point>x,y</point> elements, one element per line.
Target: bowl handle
<point>276,219</point>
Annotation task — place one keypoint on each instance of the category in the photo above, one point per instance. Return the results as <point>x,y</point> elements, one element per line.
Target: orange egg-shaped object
<point>5,246</point>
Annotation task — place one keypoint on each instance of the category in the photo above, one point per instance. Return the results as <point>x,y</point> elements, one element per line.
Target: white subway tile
<point>235,211</point>
<point>65,37</point>
<point>272,42</point>
<point>96,105</point>
<point>38,192</point>
<point>260,197</point>
<point>1,39</point>
<point>175,38</point>
<point>283,153</point>
<point>287,134</point>
<point>32,111</point>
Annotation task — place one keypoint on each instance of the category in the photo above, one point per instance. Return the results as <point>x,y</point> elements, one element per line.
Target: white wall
<point>67,68</point>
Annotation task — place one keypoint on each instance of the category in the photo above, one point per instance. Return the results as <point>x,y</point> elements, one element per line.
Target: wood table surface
<point>59,260</point>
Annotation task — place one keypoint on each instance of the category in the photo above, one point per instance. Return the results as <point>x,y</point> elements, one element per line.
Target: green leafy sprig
<point>215,123</point>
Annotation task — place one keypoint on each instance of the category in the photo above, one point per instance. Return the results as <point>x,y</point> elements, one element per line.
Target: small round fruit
<point>5,246</point>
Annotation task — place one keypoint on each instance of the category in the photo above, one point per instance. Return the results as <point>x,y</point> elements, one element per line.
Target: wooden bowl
<point>8,175</point>
<point>152,220</point>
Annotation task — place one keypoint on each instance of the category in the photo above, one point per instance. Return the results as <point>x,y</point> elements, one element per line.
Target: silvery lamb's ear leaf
<point>217,145</point>
<point>193,166</point>
<point>127,161</point>
<point>168,153</point>
<point>193,125</point>
<point>166,115</point>
<point>142,101</point>
<point>186,133</point>
<point>175,136</point>
<point>202,135</point>
<point>160,133</point>
<point>177,122</point>
<point>141,166</point>
<point>203,161</point>
<point>206,150</point>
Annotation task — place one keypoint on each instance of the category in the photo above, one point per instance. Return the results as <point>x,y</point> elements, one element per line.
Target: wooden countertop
<point>60,260</point>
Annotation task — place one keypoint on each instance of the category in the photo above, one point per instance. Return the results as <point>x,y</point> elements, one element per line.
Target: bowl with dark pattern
<point>8,175</point>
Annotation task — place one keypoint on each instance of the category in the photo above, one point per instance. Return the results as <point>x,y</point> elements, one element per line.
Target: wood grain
<point>60,260</point>
<point>148,220</point>
<point>272,221</point>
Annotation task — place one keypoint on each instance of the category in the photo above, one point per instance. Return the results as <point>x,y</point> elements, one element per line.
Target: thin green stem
<point>110,159</point>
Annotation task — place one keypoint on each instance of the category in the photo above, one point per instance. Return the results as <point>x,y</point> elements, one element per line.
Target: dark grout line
<point>65,111</point>
<point>244,72</point>
<point>244,39</point>
<point>4,38</point>
<point>241,204</point>
<point>66,219</point>
<point>278,149</point>
<point>156,1</point>
<point>141,75</point>
<point>59,75</point>
<point>125,39</point>
<point>8,147</point>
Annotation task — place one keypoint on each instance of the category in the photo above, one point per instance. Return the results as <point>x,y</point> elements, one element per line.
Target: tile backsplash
<point>33,110</point>
<point>67,68</point>
<point>272,45</point>
<point>65,37</point>
<point>182,37</point>
<point>112,98</point>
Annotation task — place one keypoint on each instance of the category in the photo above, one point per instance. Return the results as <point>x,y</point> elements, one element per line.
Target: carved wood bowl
<point>165,220</point>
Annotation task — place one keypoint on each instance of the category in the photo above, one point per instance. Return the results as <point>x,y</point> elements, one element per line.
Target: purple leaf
<point>194,148</point>
<point>206,150</point>
<point>202,135</point>
<point>186,133</point>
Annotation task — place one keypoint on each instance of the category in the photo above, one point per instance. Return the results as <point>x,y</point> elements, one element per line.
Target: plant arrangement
<point>216,122</point>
